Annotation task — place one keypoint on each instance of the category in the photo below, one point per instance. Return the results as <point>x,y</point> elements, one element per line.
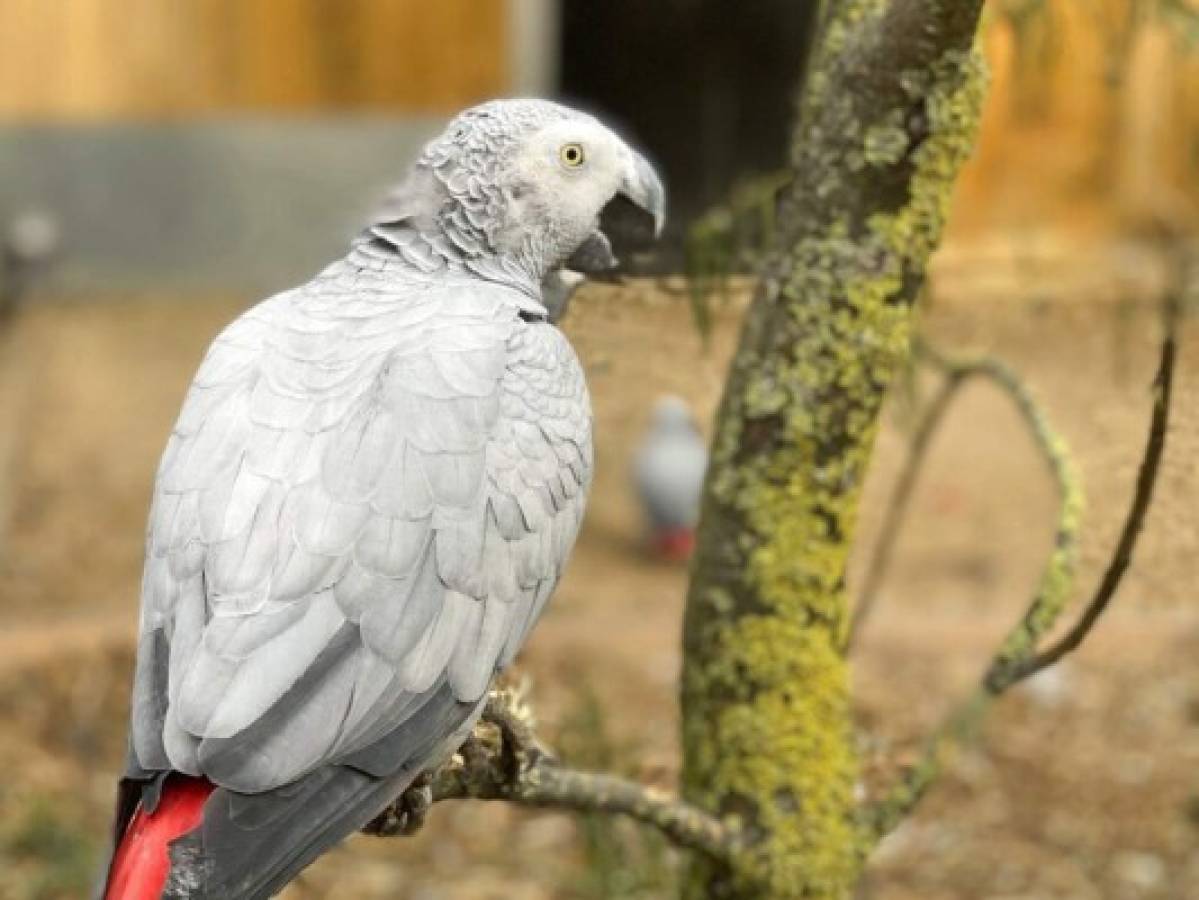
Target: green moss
<point>620,857</point>
<point>767,720</point>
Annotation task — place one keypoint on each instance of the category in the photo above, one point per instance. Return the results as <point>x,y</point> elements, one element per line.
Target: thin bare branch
<point>503,760</point>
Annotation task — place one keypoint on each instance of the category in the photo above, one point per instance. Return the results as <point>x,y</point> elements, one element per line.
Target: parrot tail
<point>675,544</point>
<point>203,842</point>
<point>140,864</point>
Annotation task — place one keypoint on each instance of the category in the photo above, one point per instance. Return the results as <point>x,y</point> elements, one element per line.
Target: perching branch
<point>1018,657</point>
<point>503,760</point>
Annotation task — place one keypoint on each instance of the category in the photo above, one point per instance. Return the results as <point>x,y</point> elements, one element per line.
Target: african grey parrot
<point>668,476</point>
<point>369,495</point>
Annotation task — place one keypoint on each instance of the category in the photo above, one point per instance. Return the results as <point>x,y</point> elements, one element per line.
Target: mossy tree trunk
<point>887,116</point>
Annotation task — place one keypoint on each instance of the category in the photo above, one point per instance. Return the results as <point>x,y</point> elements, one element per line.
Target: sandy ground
<point>1084,786</point>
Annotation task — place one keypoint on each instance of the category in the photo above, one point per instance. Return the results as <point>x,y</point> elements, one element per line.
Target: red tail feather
<point>140,864</point>
<point>675,545</point>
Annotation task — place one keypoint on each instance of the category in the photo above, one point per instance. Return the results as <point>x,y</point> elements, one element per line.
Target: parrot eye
<point>572,155</point>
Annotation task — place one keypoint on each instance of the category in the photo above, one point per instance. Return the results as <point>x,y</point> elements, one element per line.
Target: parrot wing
<point>364,505</point>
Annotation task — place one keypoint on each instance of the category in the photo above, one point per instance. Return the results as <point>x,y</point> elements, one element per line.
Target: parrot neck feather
<point>401,248</point>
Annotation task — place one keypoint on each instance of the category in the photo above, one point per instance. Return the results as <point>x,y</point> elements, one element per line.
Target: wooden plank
<point>139,59</point>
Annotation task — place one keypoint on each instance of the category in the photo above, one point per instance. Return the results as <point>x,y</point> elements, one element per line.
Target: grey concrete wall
<point>244,205</point>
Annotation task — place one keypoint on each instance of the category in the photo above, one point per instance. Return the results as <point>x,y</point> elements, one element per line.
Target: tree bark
<point>887,115</point>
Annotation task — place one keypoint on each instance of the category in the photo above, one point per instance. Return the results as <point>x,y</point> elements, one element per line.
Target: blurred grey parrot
<point>369,495</point>
<point>668,476</point>
<point>29,245</point>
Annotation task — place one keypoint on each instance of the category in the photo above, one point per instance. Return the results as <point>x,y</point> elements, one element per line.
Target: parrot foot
<point>407,814</point>
<point>520,750</point>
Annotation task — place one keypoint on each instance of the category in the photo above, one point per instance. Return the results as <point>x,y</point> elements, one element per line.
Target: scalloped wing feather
<point>367,494</point>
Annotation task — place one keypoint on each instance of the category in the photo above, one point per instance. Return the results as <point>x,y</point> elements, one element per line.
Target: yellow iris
<point>572,155</point>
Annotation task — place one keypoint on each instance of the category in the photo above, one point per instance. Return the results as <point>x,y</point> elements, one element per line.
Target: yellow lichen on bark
<point>767,730</point>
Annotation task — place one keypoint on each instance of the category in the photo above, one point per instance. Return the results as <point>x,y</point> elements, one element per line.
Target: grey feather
<point>474,657</point>
<point>404,490</point>
<point>394,628</point>
<point>150,703</point>
<point>391,546</point>
<point>300,573</point>
<point>426,661</point>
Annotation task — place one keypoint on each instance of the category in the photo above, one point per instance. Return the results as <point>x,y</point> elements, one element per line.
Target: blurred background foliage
<point>623,859</point>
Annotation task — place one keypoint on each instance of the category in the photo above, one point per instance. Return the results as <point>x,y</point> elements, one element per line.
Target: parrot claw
<point>407,814</point>
<point>520,750</point>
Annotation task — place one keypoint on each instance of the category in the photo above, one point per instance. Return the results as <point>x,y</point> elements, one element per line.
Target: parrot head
<point>585,187</point>
<point>672,414</point>
<point>534,185</point>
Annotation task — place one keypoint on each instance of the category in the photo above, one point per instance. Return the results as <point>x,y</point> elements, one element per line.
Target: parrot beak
<point>630,222</point>
<point>633,219</point>
<point>644,188</point>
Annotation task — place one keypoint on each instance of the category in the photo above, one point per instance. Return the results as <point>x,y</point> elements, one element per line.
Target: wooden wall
<point>170,59</point>
<point>1091,120</point>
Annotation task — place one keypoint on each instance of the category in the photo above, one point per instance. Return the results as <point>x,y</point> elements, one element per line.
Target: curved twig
<point>1059,573</point>
<point>1017,657</point>
<point>1002,676</point>
<point>1057,578</point>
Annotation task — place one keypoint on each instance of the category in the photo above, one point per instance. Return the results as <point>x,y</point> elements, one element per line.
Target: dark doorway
<point>705,86</point>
